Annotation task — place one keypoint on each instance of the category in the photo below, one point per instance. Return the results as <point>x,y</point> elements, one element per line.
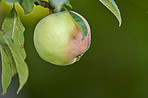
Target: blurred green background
<point>115,66</point>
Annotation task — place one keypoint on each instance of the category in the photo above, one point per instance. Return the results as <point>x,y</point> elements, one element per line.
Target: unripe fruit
<point>58,40</point>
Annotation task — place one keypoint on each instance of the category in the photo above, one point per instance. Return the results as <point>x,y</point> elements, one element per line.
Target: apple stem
<point>46,4</point>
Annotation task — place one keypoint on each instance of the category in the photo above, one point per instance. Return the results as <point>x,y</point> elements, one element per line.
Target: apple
<point>58,40</point>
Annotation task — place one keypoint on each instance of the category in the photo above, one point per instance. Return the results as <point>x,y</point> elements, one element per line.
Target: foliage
<point>12,38</point>
<point>12,51</point>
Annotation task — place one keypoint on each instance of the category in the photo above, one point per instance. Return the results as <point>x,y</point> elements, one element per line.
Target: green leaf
<point>9,23</point>
<point>10,59</point>
<point>111,5</point>
<point>13,27</point>
<point>58,4</point>
<point>21,65</point>
<point>12,35</point>
<point>6,69</point>
<point>18,35</point>
<point>80,23</point>
<point>27,5</point>
<point>1,39</point>
<point>7,28</point>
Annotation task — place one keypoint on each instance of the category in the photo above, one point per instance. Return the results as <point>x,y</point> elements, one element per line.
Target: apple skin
<point>58,40</point>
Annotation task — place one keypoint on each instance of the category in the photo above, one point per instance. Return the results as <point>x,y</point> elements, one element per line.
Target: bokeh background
<point>115,66</point>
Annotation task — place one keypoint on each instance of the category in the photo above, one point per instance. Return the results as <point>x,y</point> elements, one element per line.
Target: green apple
<point>58,40</point>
